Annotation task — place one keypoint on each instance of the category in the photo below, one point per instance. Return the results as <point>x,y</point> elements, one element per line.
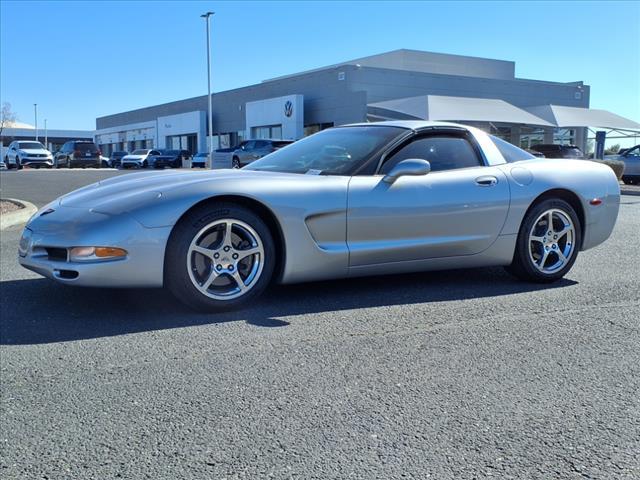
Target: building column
<point>548,135</point>
<point>515,135</point>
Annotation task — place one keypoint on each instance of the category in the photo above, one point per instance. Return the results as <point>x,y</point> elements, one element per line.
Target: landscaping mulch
<point>7,206</point>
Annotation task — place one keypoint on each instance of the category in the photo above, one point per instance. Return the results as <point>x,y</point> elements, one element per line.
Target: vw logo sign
<point>288,108</point>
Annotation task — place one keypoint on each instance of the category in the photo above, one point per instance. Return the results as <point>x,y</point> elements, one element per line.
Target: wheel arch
<point>568,196</point>
<point>259,208</point>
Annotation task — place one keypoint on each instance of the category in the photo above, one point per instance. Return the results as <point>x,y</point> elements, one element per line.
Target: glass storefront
<point>182,142</point>
<point>267,131</point>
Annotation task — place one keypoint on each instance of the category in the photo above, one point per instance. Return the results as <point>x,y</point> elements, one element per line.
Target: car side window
<point>249,145</point>
<point>443,152</point>
<point>634,152</point>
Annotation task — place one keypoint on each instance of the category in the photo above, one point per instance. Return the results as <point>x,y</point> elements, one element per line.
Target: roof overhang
<point>460,109</point>
<point>562,116</point>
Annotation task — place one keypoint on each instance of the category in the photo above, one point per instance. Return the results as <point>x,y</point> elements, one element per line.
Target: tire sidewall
<point>176,276</point>
<point>522,262</point>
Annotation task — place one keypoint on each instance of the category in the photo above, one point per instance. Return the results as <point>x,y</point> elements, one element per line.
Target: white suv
<point>138,158</point>
<point>28,153</point>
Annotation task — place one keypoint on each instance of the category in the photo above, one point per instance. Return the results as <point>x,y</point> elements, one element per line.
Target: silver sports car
<point>362,199</point>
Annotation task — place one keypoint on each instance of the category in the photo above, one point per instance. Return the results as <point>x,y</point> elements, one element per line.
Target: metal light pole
<point>45,134</point>
<point>35,110</point>
<point>209,142</point>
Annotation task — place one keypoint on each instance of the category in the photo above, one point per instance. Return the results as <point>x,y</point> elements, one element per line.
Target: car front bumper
<point>47,237</point>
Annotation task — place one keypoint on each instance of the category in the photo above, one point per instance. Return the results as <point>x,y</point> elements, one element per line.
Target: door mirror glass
<point>411,166</point>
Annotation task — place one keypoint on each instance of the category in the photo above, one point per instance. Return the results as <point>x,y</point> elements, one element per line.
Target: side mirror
<point>411,166</point>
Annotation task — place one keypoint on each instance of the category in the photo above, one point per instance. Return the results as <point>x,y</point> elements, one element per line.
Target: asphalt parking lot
<point>443,375</point>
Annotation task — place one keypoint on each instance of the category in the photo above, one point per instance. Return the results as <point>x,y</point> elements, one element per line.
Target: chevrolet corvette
<point>363,199</point>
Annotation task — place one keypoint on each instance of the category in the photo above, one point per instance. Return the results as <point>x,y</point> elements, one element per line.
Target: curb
<point>19,216</point>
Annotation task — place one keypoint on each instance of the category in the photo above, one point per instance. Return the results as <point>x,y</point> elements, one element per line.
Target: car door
<point>631,160</point>
<point>459,208</point>
<point>245,153</point>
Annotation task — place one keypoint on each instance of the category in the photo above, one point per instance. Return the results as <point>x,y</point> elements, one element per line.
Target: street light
<point>45,134</point>
<point>209,142</point>
<point>35,110</point>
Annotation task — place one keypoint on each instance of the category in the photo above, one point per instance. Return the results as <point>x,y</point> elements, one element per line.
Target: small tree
<point>7,116</point>
<point>612,150</point>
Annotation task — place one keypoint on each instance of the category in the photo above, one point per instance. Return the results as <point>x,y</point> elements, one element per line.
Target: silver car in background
<point>252,150</point>
<point>631,159</point>
<point>366,199</point>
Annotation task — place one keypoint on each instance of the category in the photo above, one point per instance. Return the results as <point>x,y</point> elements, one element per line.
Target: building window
<point>182,142</point>
<point>267,131</point>
<point>315,128</point>
<point>564,136</point>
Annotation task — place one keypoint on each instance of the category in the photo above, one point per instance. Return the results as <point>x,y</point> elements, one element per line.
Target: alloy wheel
<point>552,241</point>
<point>225,259</point>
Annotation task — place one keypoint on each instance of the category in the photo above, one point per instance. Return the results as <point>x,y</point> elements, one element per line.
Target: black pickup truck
<point>169,158</point>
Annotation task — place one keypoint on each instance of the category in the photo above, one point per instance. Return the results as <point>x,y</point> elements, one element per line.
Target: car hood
<point>134,157</point>
<point>32,151</point>
<point>129,191</point>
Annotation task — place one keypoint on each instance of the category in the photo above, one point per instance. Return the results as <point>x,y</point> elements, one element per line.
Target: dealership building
<point>401,84</point>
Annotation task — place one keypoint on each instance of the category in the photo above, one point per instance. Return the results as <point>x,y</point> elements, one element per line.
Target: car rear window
<point>86,147</point>
<point>510,152</point>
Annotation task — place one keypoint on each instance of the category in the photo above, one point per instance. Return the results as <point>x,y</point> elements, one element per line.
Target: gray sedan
<point>631,159</point>
<point>364,199</point>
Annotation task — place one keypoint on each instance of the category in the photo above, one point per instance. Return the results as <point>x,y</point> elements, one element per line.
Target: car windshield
<point>170,152</point>
<point>31,145</point>
<point>140,152</point>
<point>336,151</point>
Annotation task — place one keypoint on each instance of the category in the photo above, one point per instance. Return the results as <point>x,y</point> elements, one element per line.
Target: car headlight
<point>87,254</point>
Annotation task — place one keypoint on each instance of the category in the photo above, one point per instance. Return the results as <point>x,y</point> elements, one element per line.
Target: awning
<point>461,109</point>
<point>583,117</point>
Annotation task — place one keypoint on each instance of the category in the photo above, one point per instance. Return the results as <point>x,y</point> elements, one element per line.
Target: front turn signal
<point>83,254</point>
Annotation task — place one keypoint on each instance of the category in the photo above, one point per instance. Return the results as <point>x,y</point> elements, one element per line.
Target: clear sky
<point>79,60</point>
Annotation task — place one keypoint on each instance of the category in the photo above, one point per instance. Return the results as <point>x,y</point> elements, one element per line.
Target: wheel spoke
<point>535,238</point>
<point>238,279</point>
<point>563,232</point>
<point>543,260</point>
<point>207,252</point>
<point>226,239</point>
<point>550,221</point>
<point>212,276</point>
<point>561,256</point>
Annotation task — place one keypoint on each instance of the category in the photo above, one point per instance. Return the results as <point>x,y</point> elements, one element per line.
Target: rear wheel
<point>548,242</point>
<point>219,257</point>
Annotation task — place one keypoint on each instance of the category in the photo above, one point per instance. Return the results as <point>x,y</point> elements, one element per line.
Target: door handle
<point>486,181</point>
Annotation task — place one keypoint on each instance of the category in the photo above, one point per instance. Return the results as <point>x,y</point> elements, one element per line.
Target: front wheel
<point>235,163</point>
<point>548,242</point>
<point>219,257</point>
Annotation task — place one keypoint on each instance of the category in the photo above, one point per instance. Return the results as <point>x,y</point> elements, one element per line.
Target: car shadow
<point>41,311</point>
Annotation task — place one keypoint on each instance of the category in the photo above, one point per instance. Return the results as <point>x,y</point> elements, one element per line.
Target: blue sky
<point>79,60</point>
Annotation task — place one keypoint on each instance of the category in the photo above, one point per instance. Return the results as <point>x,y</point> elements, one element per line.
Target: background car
<point>104,161</point>
<point>3,166</point>
<point>115,159</point>
<point>550,150</point>
<point>631,159</point>
<point>251,150</point>
<point>168,158</point>
<point>535,154</point>
<point>199,160</point>
<point>78,153</point>
<point>138,158</point>
<point>23,153</point>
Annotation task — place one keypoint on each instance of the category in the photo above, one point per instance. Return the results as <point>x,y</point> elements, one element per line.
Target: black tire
<point>523,265</point>
<point>235,163</point>
<point>176,276</point>
<point>6,162</point>
<point>145,164</point>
